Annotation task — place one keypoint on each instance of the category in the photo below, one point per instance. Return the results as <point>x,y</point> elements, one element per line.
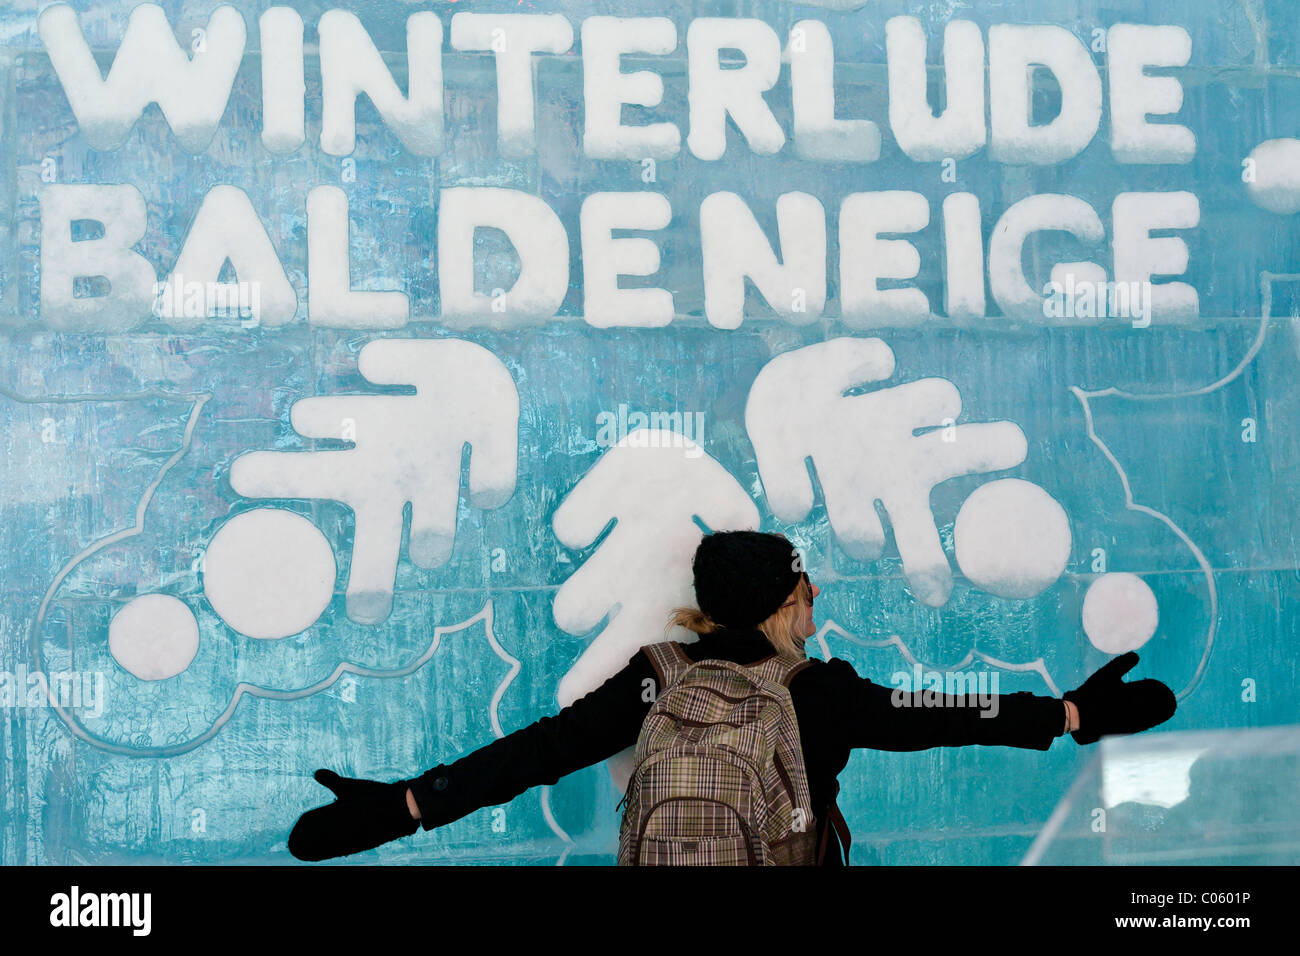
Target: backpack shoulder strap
<point>780,670</point>
<point>836,820</point>
<point>669,661</point>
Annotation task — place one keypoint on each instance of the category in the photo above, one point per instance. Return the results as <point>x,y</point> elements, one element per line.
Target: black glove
<point>1108,705</point>
<point>366,814</point>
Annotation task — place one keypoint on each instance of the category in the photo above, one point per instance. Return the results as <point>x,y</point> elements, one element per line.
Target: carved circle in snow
<point>1275,183</point>
<point>1119,613</point>
<point>1012,538</point>
<point>154,636</point>
<point>269,573</point>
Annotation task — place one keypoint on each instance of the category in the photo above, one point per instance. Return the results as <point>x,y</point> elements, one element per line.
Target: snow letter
<point>818,135</point>
<point>734,248</point>
<point>1046,211</point>
<point>350,65</point>
<point>1129,49</point>
<point>533,229</point>
<point>865,257</point>
<point>227,227</point>
<point>963,288</point>
<point>330,299</point>
<point>1139,255</point>
<point>121,211</point>
<point>283,82</point>
<point>716,93</point>
<point>605,258</point>
<point>1012,50</point>
<point>513,38</point>
<point>150,67</point>
<point>605,88</point>
<point>957,132</point>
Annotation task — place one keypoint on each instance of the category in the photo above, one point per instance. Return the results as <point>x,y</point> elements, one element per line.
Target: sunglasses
<point>808,591</point>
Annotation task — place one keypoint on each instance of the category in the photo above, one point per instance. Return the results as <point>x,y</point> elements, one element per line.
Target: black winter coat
<point>837,711</point>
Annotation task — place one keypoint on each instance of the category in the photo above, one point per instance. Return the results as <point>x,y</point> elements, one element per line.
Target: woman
<point>754,601</point>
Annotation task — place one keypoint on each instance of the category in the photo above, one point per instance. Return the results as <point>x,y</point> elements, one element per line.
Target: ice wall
<point>357,435</point>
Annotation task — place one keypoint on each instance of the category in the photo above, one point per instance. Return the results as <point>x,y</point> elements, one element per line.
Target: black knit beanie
<point>743,577</point>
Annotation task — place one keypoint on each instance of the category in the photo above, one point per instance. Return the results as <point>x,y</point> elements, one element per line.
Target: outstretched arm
<point>593,728</point>
<point>887,718</point>
<point>369,813</point>
<point>1104,705</point>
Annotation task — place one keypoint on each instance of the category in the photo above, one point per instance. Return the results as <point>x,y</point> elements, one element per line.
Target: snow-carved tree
<point>652,485</point>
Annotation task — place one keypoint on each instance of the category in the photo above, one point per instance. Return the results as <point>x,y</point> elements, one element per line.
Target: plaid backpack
<point>719,776</point>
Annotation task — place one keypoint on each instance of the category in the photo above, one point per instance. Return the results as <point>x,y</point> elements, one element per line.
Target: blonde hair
<point>781,627</point>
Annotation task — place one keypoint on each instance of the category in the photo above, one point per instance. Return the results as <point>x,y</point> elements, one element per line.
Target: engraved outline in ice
<point>1266,280</point>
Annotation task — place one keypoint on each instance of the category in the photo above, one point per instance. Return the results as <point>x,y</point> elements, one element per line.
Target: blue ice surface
<point>1190,797</point>
<point>192,769</point>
